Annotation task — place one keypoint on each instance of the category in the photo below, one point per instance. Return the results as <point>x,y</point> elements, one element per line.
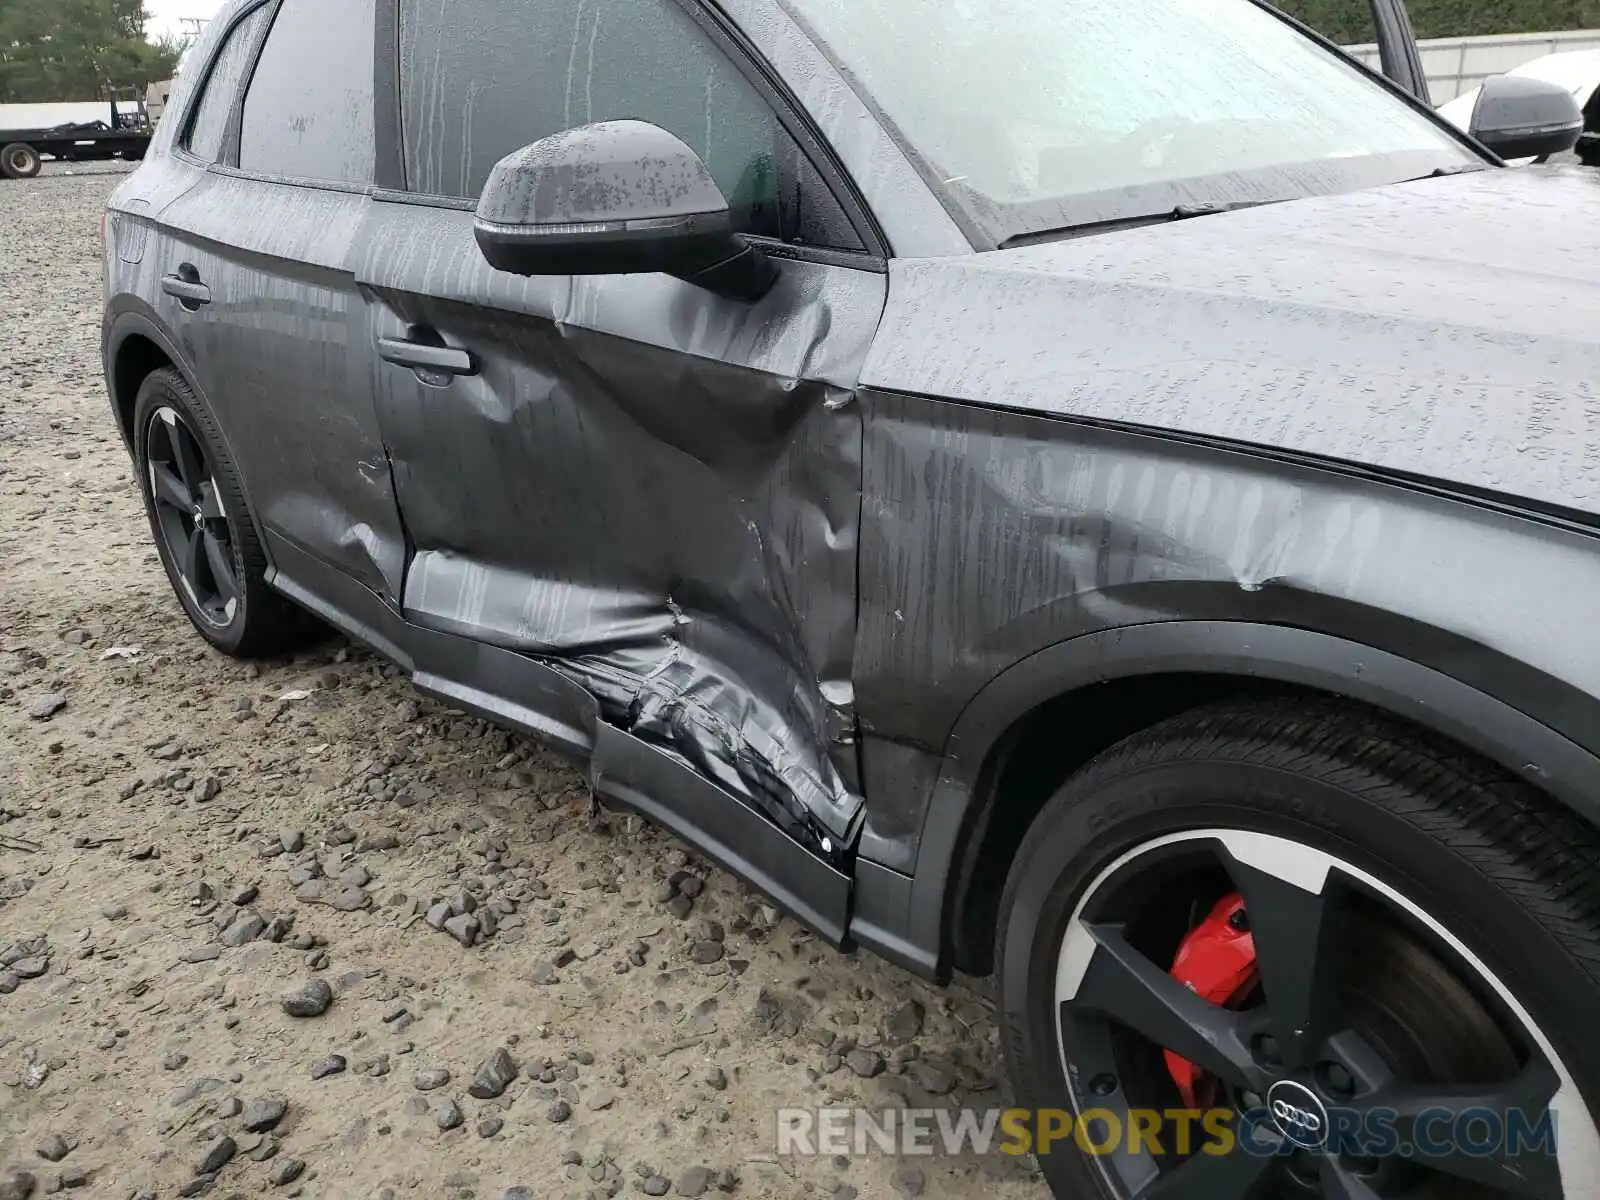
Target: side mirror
<point>616,198</point>
<point>1520,117</point>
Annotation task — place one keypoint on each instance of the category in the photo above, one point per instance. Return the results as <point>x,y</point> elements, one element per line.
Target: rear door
<point>278,333</point>
<point>652,489</point>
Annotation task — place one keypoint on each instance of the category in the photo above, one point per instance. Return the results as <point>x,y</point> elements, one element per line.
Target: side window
<point>222,86</point>
<point>308,113</point>
<point>481,78</point>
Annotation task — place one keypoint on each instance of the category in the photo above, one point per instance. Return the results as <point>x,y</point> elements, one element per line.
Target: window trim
<point>196,99</point>
<point>389,162</point>
<point>320,185</point>
<point>786,107</point>
<point>393,186</point>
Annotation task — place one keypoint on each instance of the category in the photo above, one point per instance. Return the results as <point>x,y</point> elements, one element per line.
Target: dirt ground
<point>185,840</point>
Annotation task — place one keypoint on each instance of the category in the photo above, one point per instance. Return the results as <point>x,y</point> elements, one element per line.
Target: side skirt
<point>514,690</point>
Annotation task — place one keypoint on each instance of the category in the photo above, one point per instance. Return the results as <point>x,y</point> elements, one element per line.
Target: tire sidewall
<point>36,164</point>
<point>159,391</point>
<point>1094,821</point>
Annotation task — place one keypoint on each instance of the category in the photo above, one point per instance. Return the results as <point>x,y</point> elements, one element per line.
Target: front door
<point>653,490</point>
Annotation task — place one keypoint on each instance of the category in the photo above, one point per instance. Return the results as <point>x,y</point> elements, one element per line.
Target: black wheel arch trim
<point>1531,749</point>
<point>130,317</point>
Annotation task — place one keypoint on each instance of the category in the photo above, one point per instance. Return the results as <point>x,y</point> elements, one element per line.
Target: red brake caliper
<point>1217,962</point>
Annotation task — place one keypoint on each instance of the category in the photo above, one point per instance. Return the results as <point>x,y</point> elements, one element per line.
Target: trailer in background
<point>156,97</point>
<point>118,127</point>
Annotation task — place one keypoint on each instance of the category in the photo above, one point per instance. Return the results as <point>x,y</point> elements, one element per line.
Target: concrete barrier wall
<point>1456,65</point>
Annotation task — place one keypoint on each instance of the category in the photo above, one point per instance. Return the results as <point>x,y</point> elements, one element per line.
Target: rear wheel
<point>19,161</point>
<point>203,531</point>
<point>1403,960</point>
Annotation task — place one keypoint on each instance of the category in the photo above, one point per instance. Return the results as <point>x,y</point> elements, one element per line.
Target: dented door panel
<point>652,490</point>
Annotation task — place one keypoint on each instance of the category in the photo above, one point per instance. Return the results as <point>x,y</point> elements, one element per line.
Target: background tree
<point>71,49</point>
<point>1350,21</point>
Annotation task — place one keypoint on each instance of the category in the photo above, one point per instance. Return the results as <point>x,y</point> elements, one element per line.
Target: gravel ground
<point>194,850</point>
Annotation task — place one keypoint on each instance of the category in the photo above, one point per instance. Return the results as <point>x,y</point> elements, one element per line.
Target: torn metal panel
<point>629,771</point>
<point>989,535</point>
<point>652,490</point>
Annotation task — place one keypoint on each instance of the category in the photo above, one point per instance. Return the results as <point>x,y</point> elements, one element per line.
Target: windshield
<point>1033,115</point>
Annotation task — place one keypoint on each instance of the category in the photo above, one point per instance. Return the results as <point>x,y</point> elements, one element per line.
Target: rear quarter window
<point>210,124</point>
<point>308,113</point>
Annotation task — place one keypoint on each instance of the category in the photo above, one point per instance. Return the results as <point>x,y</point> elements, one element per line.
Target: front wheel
<point>1369,961</point>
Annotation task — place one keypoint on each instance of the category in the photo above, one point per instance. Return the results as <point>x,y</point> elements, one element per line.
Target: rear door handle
<point>427,360</point>
<point>189,292</point>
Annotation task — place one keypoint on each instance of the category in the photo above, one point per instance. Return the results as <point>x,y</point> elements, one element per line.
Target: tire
<point>20,161</point>
<point>1482,877</point>
<point>242,617</point>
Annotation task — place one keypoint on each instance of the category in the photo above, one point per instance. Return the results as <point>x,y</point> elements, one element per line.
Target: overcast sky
<point>165,14</point>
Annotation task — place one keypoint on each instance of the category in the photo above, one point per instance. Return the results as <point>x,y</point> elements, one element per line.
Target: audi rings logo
<point>1299,1119</point>
<point>1298,1114</point>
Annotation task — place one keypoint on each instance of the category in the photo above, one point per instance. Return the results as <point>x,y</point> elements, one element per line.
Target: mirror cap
<point>598,174</point>
<point>609,198</point>
<point>1519,117</point>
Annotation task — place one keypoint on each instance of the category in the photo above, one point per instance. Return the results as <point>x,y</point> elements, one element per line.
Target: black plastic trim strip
<point>882,915</point>
<point>391,195</point>
<point>389,167</point>
<point>855,260</point>
<point>319,185</point>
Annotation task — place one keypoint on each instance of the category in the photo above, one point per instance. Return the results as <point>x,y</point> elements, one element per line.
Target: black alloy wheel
<point>1375,1054</point>
<point>189,517</point>
<point>202,525</point>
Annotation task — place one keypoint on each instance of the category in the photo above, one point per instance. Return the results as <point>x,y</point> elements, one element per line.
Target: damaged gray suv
<point>1105,494</point>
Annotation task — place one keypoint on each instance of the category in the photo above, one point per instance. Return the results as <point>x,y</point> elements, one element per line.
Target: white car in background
<point>1576,70</point>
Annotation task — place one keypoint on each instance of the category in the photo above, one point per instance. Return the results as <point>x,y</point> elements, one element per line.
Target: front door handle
<point>426,359</point>
<point>186,288</point>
